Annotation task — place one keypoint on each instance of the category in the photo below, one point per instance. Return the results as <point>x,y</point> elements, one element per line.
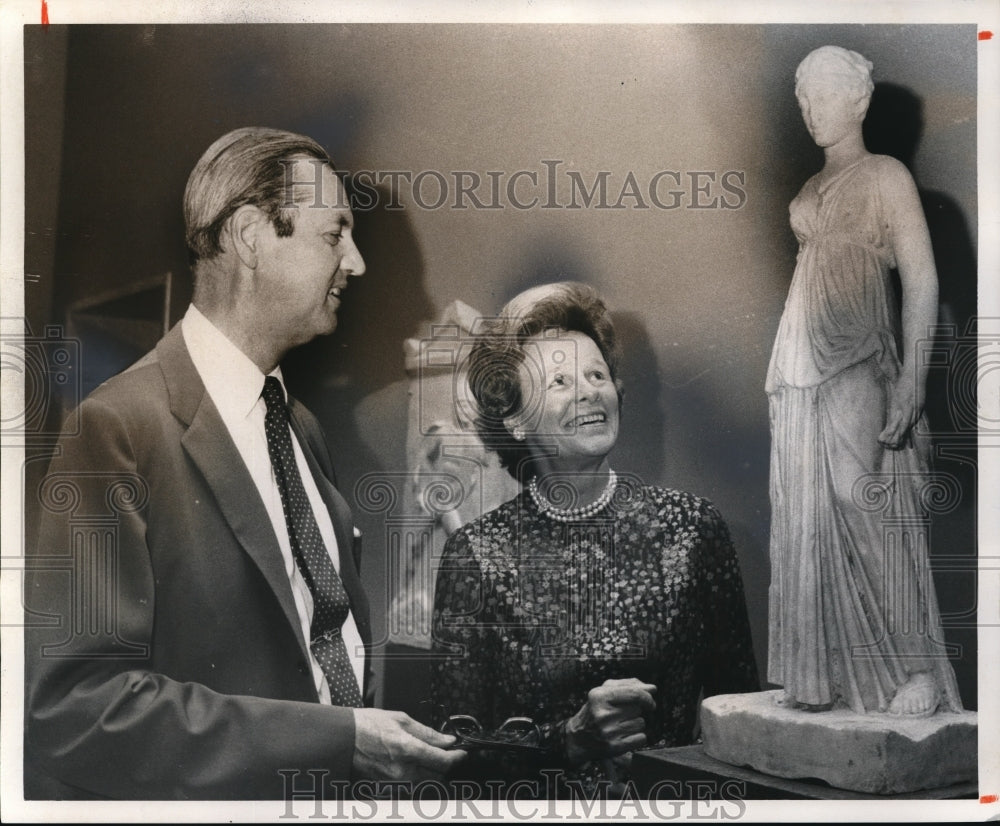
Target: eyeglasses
<point>515,734</point>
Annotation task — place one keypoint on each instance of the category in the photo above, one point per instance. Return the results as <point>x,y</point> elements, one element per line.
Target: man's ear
<point>242,233</point>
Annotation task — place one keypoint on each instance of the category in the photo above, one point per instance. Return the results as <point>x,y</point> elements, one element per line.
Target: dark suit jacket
<point>164,654</point>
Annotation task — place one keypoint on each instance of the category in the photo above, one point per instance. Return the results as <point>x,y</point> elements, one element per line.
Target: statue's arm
<point>911,244</point>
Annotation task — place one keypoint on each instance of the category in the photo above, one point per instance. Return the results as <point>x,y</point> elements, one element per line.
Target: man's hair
<point>245,166</point>
<point>493,373</point>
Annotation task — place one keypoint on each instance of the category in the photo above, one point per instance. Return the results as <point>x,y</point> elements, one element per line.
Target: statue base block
<point>872,753</point>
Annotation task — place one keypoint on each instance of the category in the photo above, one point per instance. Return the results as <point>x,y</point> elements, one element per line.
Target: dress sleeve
<point>727,662</point>
<point>464,669</point>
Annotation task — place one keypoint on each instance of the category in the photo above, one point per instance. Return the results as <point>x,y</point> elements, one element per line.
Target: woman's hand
<point>904,409</point>
<point>610,722</point>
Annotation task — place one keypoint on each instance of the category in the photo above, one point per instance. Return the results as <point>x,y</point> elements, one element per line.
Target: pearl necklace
<point>571,514</point>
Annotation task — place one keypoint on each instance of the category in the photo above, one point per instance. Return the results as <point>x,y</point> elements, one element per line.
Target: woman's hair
<point>839,64</point>
<point>493,363</point>
<point>245,166</point>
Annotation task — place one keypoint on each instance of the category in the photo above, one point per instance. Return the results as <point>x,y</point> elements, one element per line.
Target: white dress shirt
<point>234,384</point>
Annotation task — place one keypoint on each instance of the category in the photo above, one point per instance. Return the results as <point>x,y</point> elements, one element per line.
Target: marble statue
<point>451,479</point>
<point>853,613</point>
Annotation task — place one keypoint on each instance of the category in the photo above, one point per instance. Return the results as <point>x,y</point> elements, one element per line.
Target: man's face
<point>299,279</point>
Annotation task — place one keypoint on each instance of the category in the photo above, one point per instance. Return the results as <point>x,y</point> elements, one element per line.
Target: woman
<point>854,620</point>
<point>596,606</point>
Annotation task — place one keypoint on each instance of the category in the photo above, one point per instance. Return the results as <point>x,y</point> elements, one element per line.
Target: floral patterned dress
<point>532,613</point>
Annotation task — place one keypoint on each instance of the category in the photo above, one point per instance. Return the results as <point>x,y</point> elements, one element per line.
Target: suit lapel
<point>208,443</point>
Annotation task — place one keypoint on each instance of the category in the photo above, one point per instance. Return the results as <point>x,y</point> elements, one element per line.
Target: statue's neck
<point>844,153</point>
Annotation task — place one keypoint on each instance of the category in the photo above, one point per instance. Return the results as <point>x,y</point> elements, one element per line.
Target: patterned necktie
<point>330,601</point>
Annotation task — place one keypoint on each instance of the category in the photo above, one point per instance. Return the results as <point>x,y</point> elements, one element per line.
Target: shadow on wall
<point>670,424</point>
<point>545,262</point>
<point>894,126</point>
<point>640,449</point>
<point>711,451</point>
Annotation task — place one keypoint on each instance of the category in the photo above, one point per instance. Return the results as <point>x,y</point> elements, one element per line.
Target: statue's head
<point>834,87</point>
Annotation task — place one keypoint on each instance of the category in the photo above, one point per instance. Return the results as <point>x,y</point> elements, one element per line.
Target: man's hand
<point>391,745</point>
<point>610,722</point>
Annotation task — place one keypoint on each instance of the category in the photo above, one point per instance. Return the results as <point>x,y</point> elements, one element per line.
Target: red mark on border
<point>45,13</point>
<point>988,798</point>
<point>986,35</point>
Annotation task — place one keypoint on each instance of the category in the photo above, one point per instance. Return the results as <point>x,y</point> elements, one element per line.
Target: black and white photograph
<point>509,411</point>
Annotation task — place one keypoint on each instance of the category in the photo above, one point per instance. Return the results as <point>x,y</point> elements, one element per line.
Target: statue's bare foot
<point>787,701</point>
<point>917,697</point>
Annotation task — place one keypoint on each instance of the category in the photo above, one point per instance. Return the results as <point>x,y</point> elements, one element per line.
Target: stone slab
<point>872,753</point>
<point>684,772</point>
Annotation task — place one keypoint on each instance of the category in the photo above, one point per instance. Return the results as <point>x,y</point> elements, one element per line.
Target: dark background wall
<point>116,117</point>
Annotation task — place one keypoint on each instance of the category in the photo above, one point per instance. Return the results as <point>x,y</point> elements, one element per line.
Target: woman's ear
<point>514,427</point>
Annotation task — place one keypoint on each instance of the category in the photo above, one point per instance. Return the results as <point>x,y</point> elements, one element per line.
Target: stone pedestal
<point>872,753</point>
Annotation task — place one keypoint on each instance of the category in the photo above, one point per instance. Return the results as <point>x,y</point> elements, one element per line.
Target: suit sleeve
<point>100,719</point>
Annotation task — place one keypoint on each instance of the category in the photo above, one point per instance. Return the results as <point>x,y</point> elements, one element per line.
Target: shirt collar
<point>232,380</point>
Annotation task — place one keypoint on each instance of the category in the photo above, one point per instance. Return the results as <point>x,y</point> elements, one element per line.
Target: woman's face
<point>831,110</point>
<point>568,400</point>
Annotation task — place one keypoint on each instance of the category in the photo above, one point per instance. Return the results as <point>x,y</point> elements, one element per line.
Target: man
<point>208,640</point>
